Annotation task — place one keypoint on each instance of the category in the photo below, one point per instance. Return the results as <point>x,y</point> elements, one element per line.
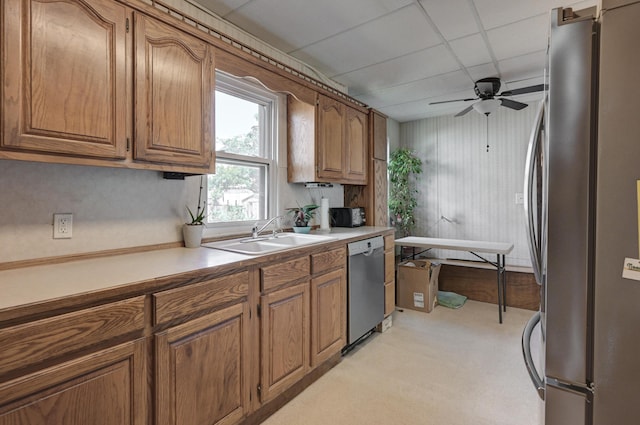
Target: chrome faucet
<point>255,232</point>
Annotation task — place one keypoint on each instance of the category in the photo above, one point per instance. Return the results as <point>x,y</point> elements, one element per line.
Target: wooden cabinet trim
<point>181,302</point>
<point>50,338</point>
<point>279,274</point>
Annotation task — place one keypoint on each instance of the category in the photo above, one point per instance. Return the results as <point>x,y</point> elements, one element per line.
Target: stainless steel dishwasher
<point>366,287</point>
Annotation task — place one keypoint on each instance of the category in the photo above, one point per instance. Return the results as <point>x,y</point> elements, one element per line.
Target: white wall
<point>474,188</point>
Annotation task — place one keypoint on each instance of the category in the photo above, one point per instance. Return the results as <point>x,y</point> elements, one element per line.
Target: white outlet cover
<point>62,226</point>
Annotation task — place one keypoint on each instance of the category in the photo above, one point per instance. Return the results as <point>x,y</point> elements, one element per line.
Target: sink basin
<point>280,242</point>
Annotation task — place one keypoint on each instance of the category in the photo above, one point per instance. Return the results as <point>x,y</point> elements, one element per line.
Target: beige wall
<point>112,208</point>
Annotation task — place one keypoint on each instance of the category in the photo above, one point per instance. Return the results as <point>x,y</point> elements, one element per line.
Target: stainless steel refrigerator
<point>583,166</point>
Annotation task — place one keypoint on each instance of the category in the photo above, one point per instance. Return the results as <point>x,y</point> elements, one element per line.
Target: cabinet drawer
<point>281,273</point>
<point>389,265</point>
<point>180,302</point>
<point>389,298</point>
<point>31,343</point>
<point>389,242</point>
<point>328,260</point>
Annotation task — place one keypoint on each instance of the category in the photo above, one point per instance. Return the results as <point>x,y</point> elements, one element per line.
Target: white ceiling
<point>397,56</point>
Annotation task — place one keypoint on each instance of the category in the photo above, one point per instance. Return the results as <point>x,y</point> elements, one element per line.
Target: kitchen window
<point>241,190</point>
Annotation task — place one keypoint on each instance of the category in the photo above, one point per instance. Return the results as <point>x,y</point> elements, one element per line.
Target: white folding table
<point>500,249</point>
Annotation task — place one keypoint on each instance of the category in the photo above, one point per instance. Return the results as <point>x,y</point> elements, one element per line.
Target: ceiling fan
<point>487,90</point>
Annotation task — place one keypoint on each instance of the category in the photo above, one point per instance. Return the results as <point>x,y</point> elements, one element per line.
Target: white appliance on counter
<point>582,206</point>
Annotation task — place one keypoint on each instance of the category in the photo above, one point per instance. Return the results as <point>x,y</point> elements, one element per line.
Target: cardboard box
<point>418,285</point>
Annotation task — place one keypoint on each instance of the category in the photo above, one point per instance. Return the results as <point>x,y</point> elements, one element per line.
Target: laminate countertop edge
<point>29,290</point>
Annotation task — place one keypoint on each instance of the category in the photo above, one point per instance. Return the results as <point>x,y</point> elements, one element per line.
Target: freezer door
<point>617,300</point>
<point>565,407</point>
<point>569,230</point>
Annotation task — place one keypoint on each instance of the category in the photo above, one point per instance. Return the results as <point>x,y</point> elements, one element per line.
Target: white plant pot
<point>192,234</point>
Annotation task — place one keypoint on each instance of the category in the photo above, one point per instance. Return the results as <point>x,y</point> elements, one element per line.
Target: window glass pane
<point>236,192</point>
<point>237,125</point>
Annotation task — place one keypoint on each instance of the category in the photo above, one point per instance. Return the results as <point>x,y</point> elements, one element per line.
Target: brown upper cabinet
<point>174,95</point>
<point>64,77</point>
<point>327,142</point>
<point>66,73</point>
<point>378,135</point>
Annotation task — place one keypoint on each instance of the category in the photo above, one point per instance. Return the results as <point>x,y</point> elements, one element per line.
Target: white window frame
<point>268,122</point>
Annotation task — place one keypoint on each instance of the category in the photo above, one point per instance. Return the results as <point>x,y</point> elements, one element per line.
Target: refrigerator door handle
<point>530,205</point>
<point>538,382</point>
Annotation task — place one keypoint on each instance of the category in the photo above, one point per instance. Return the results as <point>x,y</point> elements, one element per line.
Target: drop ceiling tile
<point>397,34</point>
<point>453,18</point>
<point>414,66</point>
<point>293,24</point>
<point>523,67</point>
<point>471,50</point>
<point>423,89</point>
<point>483,71</point>
<point>518,39</point>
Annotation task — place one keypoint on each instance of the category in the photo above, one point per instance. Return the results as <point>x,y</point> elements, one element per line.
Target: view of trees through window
<point>236,192</point>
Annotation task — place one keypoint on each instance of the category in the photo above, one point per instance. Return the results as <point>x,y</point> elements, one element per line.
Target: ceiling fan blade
<point>464,111</point>
<point>449,101</point>
<point>523,90</point>
<point>513,104</point>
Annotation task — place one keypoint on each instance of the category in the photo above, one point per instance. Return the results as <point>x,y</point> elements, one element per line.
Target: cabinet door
<point>328,315</point>
<point>380,206</point>
<point>284,339</point>
<point>174,88</point>
<point>355,155</point>
<point>104,388</point>
<point>389,275</point>
<point>330,139</point>
<point>64,77</point>
<point>378,134</point>
<point>202,369</point>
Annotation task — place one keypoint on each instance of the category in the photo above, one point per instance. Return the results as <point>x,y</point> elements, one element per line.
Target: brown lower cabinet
<point>107,387</point>
<point>220,349</point>
<point>284,333</point>
<point>202,369</point>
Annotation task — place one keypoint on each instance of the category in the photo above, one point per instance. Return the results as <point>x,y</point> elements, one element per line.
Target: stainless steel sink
<point>263,245</point>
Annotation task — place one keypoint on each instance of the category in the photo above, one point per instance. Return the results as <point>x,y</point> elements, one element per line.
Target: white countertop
<point>42,283</point>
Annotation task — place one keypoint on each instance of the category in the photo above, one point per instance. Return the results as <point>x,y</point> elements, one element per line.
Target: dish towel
<point>451,299</point>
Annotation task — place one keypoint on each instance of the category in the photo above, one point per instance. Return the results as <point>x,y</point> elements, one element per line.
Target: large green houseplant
<point>403,166</point>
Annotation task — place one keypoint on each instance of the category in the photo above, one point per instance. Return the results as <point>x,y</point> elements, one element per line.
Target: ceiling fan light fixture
<point>486,106</point>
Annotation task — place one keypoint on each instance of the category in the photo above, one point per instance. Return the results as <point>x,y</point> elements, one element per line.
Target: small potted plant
<point>192,230</point>
<point>301,217</point>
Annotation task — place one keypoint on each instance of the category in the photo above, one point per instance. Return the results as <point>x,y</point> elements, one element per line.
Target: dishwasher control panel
<point>365,245</point>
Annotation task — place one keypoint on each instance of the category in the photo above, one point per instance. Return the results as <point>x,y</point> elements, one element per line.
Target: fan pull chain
<point>487,115</point>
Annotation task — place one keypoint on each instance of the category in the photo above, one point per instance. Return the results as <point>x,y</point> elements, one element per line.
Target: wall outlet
<point>62,226</point>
